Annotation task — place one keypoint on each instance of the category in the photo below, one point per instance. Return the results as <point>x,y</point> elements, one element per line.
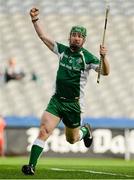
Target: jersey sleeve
<point>95,63</point>
<point>92,61</point>
<point>59,48</point>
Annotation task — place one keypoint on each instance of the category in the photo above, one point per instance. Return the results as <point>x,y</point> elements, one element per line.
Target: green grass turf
<point>68,168</point>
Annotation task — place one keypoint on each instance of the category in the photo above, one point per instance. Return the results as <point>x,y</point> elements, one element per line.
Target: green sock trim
<point>35,154</point>
<point>84,131</point>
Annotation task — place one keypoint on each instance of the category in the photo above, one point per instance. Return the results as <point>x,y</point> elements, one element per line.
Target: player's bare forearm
<point>42,35</point>
<point>105,70</point>
<point>34,13</point>
<point>105,67</point>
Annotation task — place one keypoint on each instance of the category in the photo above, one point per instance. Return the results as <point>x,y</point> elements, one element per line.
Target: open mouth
<point>75,47</point>
<point>77,44</point>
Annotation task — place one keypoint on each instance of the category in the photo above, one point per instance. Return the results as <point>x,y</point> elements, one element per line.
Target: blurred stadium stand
<point>113,97</point>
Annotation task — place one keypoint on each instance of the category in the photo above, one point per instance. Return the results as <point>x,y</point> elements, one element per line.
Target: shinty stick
<point>103,42</point>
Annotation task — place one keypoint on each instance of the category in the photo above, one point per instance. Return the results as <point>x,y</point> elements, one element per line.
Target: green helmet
<point>79,29</point>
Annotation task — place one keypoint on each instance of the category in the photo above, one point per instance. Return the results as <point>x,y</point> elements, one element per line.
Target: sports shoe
<point>88,139</point>
<point>28,170</point>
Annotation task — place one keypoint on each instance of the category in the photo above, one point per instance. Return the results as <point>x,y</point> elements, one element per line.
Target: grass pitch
<point>68,168</point>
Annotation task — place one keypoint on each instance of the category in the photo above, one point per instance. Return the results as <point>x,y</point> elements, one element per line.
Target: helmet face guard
<point>80,29</point>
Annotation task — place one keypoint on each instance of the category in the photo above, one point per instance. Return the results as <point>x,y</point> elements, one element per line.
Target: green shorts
<point>68,111</point>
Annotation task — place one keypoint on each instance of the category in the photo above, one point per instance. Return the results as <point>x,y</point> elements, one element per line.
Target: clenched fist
<point>34,12</point>
<point>103,51</point>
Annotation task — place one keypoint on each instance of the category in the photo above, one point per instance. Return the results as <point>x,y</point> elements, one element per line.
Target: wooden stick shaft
<point>103,42</point>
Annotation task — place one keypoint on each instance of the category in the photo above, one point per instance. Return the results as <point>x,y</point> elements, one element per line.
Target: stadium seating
<point>113,97</point>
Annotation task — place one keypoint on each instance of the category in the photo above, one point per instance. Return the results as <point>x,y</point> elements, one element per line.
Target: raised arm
<point>105,70</point>
<point>34,13</point>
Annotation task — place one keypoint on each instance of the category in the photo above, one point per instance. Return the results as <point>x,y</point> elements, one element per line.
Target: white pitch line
<point>93,172</point>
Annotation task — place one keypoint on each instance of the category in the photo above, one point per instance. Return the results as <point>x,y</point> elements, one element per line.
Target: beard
<point>75,47</point>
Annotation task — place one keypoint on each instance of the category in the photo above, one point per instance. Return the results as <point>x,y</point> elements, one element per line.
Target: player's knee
<point>71,140</point>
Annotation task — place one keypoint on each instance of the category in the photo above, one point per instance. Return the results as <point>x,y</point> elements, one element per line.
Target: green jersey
<point>73,71</point>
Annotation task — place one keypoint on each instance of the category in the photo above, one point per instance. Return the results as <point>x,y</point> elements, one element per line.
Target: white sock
<point>39,143</point>
<point>80,135</point>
